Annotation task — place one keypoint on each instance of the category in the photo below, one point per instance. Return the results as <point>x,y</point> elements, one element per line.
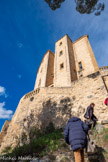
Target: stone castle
<point>66,83</point>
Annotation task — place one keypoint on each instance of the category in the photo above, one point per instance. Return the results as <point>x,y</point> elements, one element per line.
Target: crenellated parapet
<point>104,74</point>
<point>104,70</point>
<point>32,93</point>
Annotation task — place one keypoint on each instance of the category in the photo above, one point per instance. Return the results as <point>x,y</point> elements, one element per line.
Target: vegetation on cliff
<point>44,143</point>
<point>51,144</point>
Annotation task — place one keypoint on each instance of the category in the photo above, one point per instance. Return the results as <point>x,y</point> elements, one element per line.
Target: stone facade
<point>84,56</point>
<point>45,73</point>
<point>62,93</point>
<point>64,66</point>
<point>56,105</point>
<point>72,61</point>
<point>104,74</point>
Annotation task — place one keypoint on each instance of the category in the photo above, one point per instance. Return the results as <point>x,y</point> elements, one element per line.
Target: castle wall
<point>84,54</point>
<point>104,74</point>
<point>42,72</point>
<point>105,79</point>
<point>62,90</point>
<point>45,71</point>
<point>50,72</point>
<point>56,105</point>
<point>104,70</point>
<point>73,72</point>
<point>63,55</point>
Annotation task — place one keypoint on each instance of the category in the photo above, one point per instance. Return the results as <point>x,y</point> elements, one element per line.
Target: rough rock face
<point>56,105</point>
<point>4,130</point>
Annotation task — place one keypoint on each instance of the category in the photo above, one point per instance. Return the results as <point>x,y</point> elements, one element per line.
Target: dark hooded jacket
<point>89,112</point>
<point>75,133</point>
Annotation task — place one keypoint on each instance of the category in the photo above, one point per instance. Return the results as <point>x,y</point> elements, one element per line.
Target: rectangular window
<point>80,66</point>
<point>60,44</point>
<point>61,66</point>
<point>61,53</point>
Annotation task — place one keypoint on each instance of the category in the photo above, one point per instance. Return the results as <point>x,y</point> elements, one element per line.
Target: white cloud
<point>5,114</point>
<point>3,91</point>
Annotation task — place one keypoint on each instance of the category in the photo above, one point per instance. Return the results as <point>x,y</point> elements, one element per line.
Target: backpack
<point>106,102</point>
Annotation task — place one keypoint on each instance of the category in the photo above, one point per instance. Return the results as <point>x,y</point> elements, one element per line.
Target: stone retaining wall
<point>56,105</point>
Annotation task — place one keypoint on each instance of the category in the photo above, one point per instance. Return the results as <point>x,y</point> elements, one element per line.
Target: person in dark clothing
<point>90,114</point>
<point>75,134</point>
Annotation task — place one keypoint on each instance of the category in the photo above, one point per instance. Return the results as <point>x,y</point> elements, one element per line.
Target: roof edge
<point>80,38</point>
<point>62,37</point>
<point>102,67</point>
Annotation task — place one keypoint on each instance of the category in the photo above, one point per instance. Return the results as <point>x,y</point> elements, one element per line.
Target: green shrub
<point>40,146</point>
<point>23,138</point>
<point>34,133</point>
<point>8,149</point>
<point>105,130</point>
<point>105,137</point>
<point>50,128</point>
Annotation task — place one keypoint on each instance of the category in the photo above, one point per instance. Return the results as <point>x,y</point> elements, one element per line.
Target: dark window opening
<point>60,44</point>
<point>62,66</point>
<point>81,75</point>
<point>80,66</point>
<point>61,53</point>
<point>32,98</point>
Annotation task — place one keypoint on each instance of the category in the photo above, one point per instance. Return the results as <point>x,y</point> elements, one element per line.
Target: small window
<point>61,53</point>
<point>81,75</point>
<point>32,98</point>
<point>62,66</point>
<point>60,44</point>
<point>80,66</point>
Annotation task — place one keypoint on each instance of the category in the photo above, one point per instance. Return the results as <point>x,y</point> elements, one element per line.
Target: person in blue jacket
<point>75,134</point>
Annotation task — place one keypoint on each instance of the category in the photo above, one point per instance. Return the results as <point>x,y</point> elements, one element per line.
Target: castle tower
<point>64,65</point>
<point>84,57</point>
<point>45,73</point>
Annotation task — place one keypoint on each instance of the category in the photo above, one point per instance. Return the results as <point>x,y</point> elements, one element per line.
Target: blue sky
<point>28,28</point>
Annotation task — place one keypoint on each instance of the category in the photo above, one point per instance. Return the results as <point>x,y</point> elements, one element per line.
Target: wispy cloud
<point>101,49</point>
<point>68,20</point>
<point>3,91</point>
<point>4,113</point>
<point>19,76</point>
<point>19,44</point>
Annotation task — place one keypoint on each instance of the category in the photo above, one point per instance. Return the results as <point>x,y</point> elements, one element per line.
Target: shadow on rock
<point>97,157</point>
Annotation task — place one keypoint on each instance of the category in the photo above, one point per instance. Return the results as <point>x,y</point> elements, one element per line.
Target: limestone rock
<point>104,122</point>
<point>99,128</point>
